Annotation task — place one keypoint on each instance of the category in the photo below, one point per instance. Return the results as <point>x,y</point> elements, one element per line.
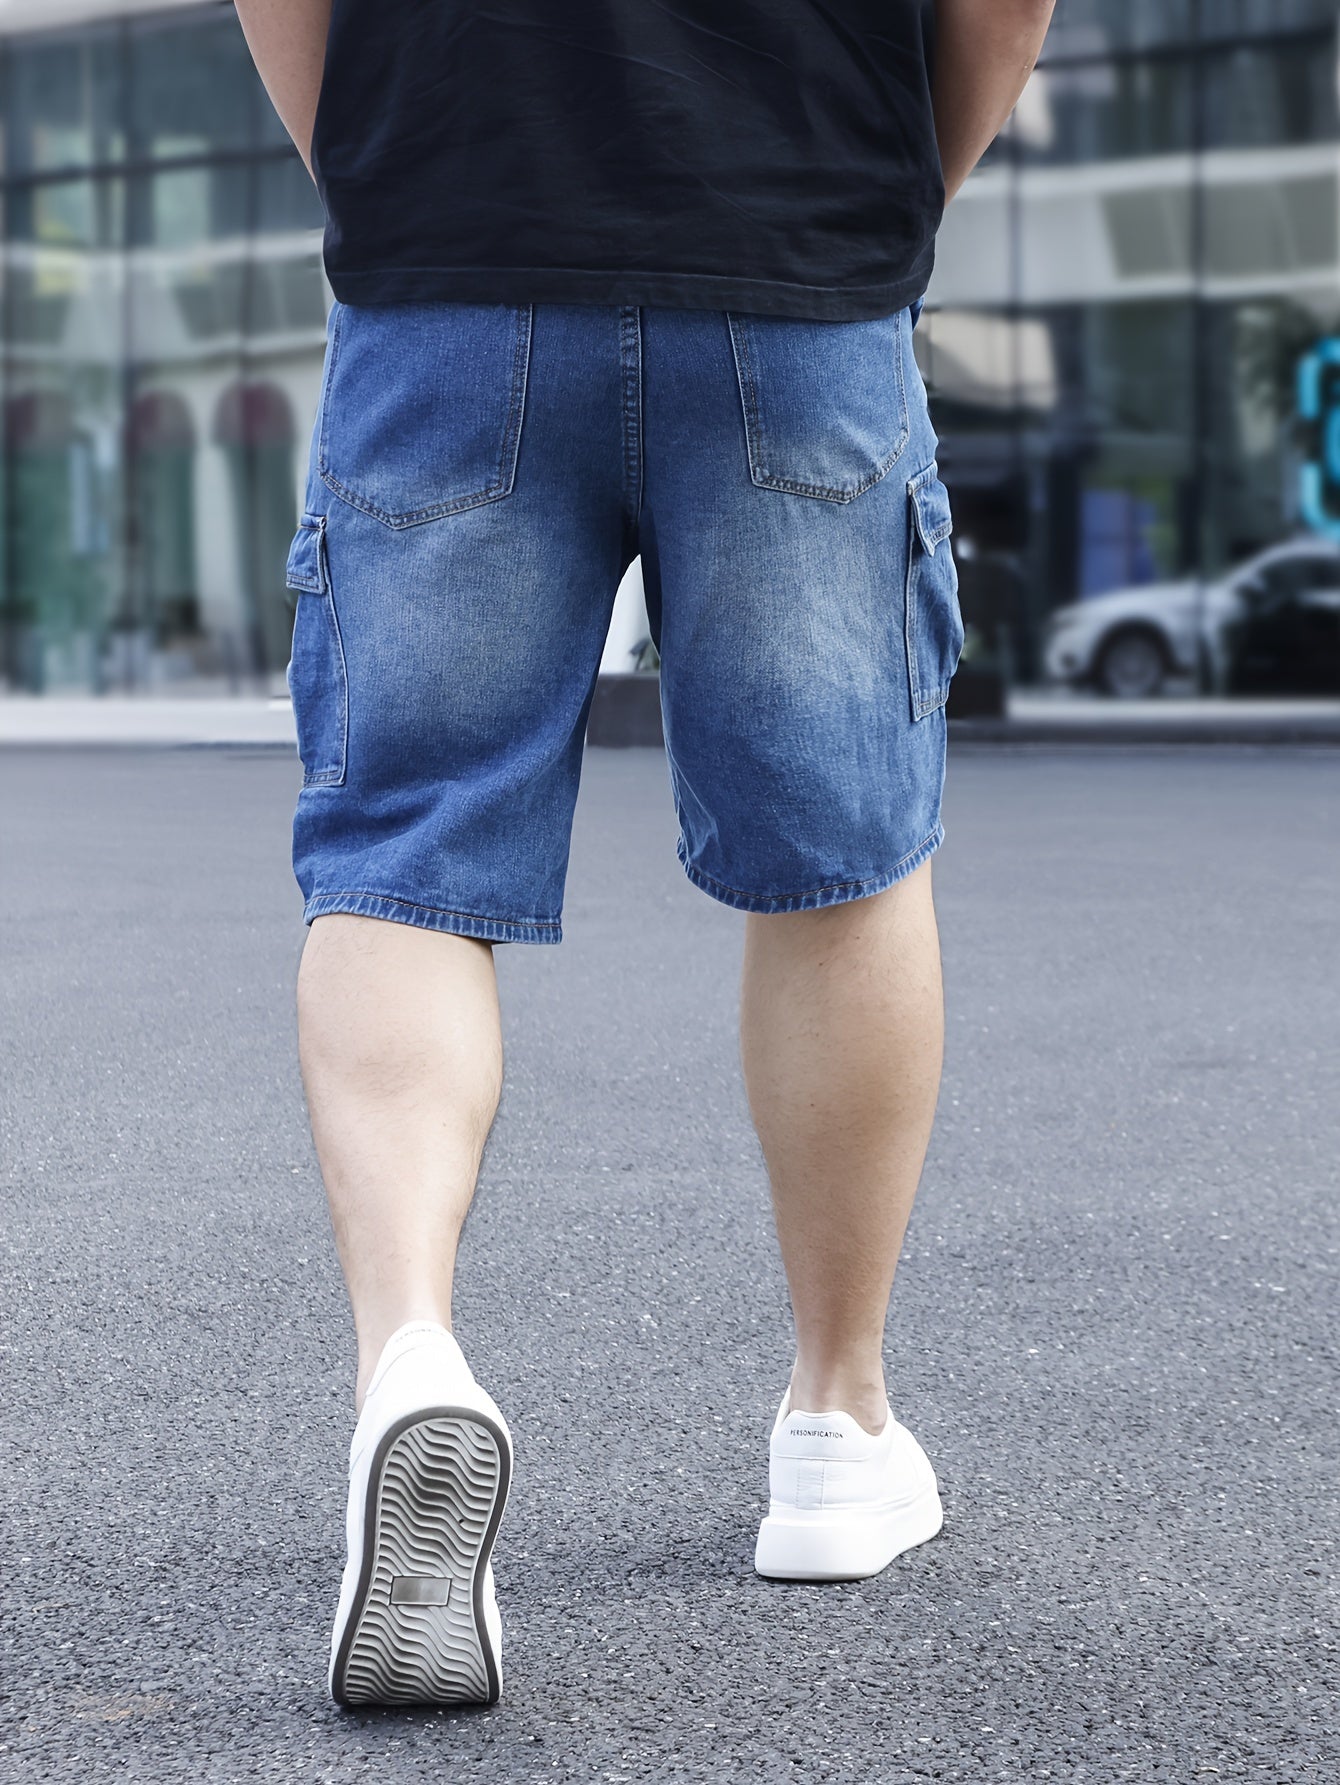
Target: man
<point>618,277</point>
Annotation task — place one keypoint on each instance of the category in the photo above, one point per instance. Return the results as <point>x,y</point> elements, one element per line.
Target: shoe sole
<point>416,1631</point>
<point>843,1545</point>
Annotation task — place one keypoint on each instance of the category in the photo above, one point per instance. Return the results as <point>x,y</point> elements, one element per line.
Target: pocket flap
<point>930,504</point>
<point>306,566</point>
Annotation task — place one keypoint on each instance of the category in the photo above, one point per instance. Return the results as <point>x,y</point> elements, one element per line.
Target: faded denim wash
<point>480,477</point>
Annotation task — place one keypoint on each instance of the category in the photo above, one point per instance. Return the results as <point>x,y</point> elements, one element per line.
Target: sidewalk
<point>1116,1280</point>
<point>1036,716</point>
<point>130,719</point>
<point>1054,716</point>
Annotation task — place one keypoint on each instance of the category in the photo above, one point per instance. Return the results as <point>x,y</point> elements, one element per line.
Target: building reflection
<point>164,324</point>
<point>1125,293</point>
<point>1123,297</point>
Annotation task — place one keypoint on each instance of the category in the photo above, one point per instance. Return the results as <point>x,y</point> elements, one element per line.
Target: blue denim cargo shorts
<point>481,476</point>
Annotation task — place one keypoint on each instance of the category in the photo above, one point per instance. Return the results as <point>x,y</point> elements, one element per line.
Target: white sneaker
<point>429,1467</point>
<point>844,1502</point>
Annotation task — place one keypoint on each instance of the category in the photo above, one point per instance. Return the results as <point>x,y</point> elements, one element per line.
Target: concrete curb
<point>1006,733</point>
<point>626,712</point>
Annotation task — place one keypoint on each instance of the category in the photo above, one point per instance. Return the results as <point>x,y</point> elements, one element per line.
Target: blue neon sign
<point>1319,410</point>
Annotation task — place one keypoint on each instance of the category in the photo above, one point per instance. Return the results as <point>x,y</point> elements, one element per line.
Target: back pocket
<point>318,678</point>
<point>825,403</point>
<point>934,622</point>
<point>422,405</point>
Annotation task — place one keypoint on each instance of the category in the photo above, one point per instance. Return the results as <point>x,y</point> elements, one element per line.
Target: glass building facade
<point>1126,295</point>
<point>163,327</point>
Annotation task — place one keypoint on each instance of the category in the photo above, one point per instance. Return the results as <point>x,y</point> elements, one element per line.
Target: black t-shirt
<point>767,155</point>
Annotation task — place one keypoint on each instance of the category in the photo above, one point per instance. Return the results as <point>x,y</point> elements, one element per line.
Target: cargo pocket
<point>420,413</point>
<point>933,620</point>
<point>825,403</point>
<point>317,677</point>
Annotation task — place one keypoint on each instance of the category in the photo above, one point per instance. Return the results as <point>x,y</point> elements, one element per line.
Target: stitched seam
<point>413,517</point>
<point>902,348</point>
<point>542,923</point>
<point>825,491</point>
<point>327,385</point>
<point>708,280</point>
<point>744,373</point>
<point>520,373</point>
<point>922,543</point>
<point>931,536</point>
<point>293,579</point>
<point>919,541</point>
<point>344,671</point>
<point>334,775</point>
<point>910,606</point>
<point>811,891</point>
<point>630,368</point>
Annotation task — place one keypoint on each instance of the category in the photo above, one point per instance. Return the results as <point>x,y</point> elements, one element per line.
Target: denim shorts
<point>481,476</point>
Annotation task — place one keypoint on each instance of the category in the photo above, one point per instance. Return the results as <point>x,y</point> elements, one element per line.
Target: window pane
<point>215,437</point>
<point>1257,96</point>
<point>63,104</point>
<point>1096,27</point>
<point>1134,368</point>
<point>1235,19</point>
<point>62,434</point>
<point>1104,111</point>
<point>1105,27</point>
<point>185,205</point>
<point>192,88</point>
<point>1253,351</point>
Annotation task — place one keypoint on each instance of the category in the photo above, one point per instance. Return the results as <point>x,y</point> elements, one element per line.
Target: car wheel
<point>1132,665</point>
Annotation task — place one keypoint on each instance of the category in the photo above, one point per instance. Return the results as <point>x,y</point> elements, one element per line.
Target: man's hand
<point>287,40</point>
<point>984,54</point>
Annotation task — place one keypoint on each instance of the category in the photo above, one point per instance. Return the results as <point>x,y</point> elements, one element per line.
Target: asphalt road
<point>1114,1325</point>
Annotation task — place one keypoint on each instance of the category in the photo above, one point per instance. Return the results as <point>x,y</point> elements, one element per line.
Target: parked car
<point>1271,625</point>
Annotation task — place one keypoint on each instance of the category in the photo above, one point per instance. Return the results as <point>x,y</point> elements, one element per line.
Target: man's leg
<point>402,1062</point>
<point>455,588</point>
<point>841,1031</point>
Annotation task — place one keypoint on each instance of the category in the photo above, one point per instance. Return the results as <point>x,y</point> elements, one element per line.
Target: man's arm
<point>287,40</point>
<point>984,54</point>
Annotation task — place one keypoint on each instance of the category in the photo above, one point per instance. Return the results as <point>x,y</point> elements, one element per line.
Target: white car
<point>1272,623</point>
